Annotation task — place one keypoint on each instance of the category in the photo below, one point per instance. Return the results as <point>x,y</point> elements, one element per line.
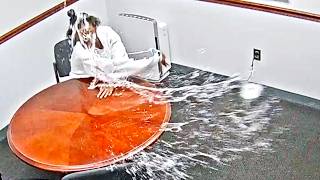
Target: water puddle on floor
<point>211,125</point>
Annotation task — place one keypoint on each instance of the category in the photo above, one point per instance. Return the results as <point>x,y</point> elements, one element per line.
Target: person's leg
<point>142,68</point>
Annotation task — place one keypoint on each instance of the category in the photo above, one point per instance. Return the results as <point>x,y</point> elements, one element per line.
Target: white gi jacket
<point>111,62</point>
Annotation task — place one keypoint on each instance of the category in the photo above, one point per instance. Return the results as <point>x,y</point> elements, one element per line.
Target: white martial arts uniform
<point>111,62</point>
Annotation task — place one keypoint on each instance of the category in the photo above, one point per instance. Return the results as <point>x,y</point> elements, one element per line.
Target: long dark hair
<point>94,21</point>
<point>79,22</point>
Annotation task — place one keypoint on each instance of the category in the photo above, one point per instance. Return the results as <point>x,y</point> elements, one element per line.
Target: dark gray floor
<point>296,152</point>
<point>295,156</point>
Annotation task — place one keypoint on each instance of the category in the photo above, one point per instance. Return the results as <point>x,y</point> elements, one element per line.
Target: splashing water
<point>211,125</point>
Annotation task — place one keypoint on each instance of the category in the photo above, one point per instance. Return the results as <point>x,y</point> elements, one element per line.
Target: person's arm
<point>118,51</point>
<point>79,55</point>
<point>112,43</point>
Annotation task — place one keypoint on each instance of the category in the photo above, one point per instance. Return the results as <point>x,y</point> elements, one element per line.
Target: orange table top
<point>66,128</point>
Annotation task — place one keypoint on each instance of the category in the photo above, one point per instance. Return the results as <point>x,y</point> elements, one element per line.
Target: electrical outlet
<point>257,54</point>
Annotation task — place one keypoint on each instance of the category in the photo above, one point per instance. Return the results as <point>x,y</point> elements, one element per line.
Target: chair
<point>112,172</point>
<point>62,54</point>
<point>62,66</point>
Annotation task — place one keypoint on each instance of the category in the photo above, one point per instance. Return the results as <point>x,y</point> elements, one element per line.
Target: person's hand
<point>93,83</point>
<point>105,91</point>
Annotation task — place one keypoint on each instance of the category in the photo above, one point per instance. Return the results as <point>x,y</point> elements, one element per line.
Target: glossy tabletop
<point>66,128</point>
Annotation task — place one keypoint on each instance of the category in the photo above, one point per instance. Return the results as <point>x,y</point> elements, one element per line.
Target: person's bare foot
<point>163,60</point>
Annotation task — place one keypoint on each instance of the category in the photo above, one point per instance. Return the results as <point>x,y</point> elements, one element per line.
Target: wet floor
<point>224,138</point>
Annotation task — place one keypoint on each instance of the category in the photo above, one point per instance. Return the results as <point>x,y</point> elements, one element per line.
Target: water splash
<point>211,125</point>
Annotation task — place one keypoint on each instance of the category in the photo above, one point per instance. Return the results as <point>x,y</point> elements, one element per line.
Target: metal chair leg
<point>56,72</point>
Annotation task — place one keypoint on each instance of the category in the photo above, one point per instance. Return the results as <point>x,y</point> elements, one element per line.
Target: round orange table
<point>66,128</point>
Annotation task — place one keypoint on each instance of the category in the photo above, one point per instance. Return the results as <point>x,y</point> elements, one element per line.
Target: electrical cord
<point>251,70</point>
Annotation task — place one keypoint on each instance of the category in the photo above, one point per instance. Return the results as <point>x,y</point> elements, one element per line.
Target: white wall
<point>13,12</point>
<point>205,35</point>
<point>311,6</point>
<point>26,60</point>
<point>221,39</point>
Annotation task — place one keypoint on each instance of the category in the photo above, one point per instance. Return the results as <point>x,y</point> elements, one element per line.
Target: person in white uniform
<point>99,52</point>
